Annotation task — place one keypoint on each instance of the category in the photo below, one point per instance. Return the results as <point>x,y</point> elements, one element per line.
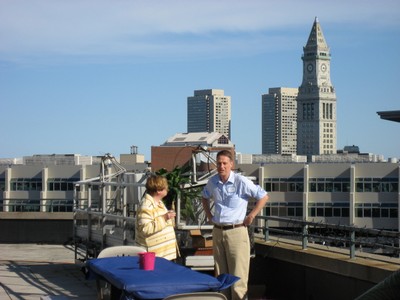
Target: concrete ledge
<point>319,272</point>
<point>54,297</point>
<point>371,268</point>
<point>36,215</point>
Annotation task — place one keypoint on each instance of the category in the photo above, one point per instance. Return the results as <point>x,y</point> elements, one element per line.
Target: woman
<point>154,228</point>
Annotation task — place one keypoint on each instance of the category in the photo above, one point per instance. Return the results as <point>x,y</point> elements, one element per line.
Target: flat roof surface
<point>49,272</point>
<point>33,272</point>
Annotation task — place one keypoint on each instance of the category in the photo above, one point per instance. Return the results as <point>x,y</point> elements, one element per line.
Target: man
<point>231,246</point>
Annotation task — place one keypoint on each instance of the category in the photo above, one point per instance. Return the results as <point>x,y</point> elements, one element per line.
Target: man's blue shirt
<point>231,198</point>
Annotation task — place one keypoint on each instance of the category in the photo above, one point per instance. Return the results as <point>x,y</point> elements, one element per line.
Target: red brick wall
<point>170,157</point>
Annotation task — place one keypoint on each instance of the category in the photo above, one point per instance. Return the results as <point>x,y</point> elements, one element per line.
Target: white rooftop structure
<point>60,159</point>
<point>11,161</point>
<point>209,139</point>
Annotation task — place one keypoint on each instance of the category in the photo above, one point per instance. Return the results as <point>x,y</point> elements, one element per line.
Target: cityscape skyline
<point>121,75</point>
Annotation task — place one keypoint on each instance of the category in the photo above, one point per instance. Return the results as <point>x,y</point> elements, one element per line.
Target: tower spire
<point>316,102</point>
<point>316,39</point>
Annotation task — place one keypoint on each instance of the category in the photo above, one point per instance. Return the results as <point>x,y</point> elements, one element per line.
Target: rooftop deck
<point>47,272</point>
<point>32,272</point>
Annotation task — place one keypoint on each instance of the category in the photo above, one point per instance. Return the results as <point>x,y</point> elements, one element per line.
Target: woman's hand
<point>169,215</point>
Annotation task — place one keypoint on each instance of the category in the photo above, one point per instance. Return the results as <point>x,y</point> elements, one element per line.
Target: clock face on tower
<point>323,67</point>
<point>310,67</point>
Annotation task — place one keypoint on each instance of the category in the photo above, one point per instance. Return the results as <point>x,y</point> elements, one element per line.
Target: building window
<point>22,205</point>
<point>26,184</point>
<point>295,209</point>
<point>223,140</point>
<point>284,209</point>
<point>61,184</point>
<point>62,205</point>
<point>330,185</point>
<point>325,209</point>
<point>377,185</point>
<point>293,184</point>
<point>376,210</point>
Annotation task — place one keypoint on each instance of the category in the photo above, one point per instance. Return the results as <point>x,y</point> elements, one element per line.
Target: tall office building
<point>316,102</point>
<point>209,111</point>
<point>279,115</point>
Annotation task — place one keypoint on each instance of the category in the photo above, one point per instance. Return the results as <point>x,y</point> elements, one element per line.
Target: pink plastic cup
<point>146,260</point>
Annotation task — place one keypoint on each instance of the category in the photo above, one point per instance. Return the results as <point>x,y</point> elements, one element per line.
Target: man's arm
<point>207,210</point>
<point>257,208</point>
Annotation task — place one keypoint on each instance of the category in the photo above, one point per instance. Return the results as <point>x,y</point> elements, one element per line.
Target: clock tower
<point>316,102</point>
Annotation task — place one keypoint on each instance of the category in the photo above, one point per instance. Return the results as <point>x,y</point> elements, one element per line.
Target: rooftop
<point>49,272</point>
<point>32,271</point>
<point>393,115</point>
<point>198,138</point>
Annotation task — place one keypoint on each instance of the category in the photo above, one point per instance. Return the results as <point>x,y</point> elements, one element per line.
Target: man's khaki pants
<point>232,256</point>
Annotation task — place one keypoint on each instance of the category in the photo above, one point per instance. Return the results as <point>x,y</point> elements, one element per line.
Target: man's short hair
<point>226,153</point>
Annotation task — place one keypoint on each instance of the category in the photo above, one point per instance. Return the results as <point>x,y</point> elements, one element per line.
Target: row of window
<point>35,184</point>
<point>327,110</point>
<point>295,209</point>
<point>329,210</point>
<point>61,184</point>
<point>340,210</point>
<point>329,185</point>
<point>284,184</point>
<point>26,184</point>
<point>376,210</point>
<point>378,185</point>
<point>290,209</point>
<point>16,205</point>
<point>308,111</point>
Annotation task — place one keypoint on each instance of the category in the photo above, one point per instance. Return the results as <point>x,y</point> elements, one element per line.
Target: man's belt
<point>228,227</point>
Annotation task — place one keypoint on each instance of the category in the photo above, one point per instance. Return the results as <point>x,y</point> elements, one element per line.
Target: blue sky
<point>94,77</point>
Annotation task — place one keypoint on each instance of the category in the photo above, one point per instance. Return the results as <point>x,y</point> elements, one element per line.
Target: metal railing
<point>342,236</point>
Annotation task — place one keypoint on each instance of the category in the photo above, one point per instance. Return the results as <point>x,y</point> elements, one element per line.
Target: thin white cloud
<point>30,28</point>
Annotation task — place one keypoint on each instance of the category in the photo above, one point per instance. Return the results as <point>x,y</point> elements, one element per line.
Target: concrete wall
<point>33,229</point>
<point>292,273</point>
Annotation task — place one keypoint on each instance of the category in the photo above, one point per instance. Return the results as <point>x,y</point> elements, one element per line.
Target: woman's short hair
<point>156,183</point>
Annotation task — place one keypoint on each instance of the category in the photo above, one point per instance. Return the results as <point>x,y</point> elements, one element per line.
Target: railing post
<point>125,214</point>
<point>352,243</point>
<point>304,236</point>
<point>266,231</point>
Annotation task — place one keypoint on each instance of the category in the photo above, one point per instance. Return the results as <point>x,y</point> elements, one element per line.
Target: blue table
<point>168,278</point>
